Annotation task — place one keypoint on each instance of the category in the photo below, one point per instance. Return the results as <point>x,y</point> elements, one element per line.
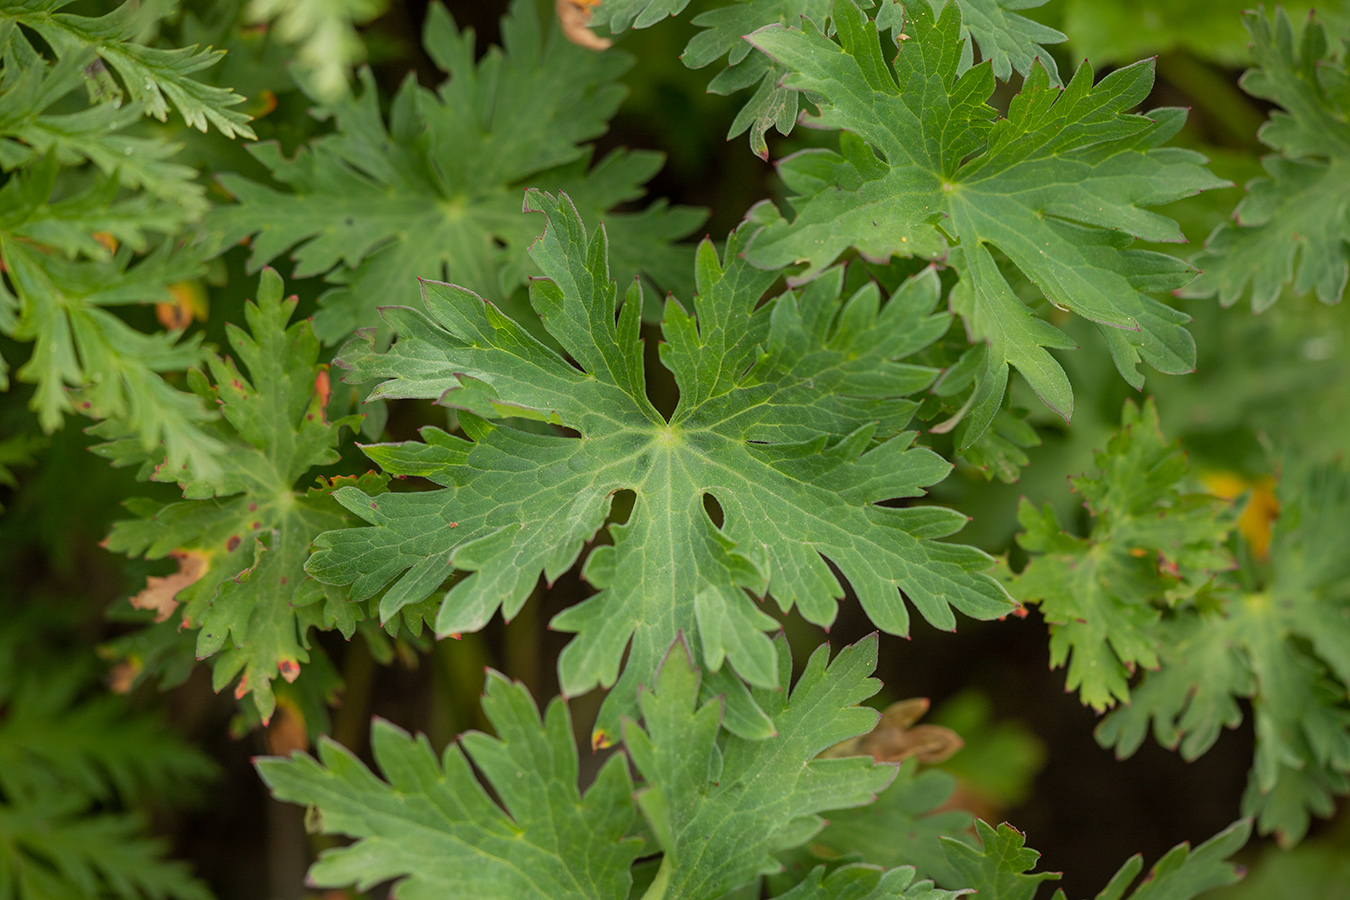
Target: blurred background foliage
<point>83,750</point>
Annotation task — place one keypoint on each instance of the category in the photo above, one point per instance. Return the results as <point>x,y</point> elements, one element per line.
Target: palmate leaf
<point>434,826</point>
<point>720,809</point>
<point>435,192</point>
<point>154,78</point>
<point>1150,547</point>
<point>1001,868</point>
<point>1292,228</point>
<point>790,416</point>
<point>245,534</point>
<point>927,169</point>
<point>1009,40</point>
<point>1281,643</point>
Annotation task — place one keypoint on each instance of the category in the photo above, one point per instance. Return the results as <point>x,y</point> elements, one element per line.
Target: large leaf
<point>1292,228</point>
<point>791,417</point>
<point>433,825</point>
<point>1059,187</point>
<point>435,192</point>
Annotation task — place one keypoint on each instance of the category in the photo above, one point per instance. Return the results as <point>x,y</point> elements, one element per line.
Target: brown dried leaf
<point>897,738</point>
<point>161,592</point>
<point>574,16</point>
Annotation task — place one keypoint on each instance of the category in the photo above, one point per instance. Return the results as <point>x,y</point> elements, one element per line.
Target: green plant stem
<point>458,684</point>
<point>657,889</point>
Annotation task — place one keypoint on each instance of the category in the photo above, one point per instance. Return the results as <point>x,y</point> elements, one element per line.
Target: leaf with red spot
<point>253,605</point>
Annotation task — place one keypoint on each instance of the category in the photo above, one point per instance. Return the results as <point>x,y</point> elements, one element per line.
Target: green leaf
<point>901,828</point>
<point>435,192</point>
<point>858,882</point>
<point>1280,641</point>
<point>999,871</point>
<point>926,168</point>
<point>86,359</point>
<point>1009,40</point>
<point>325,34</point>
<point>74,763</point>
<point>720,809</point>
<point>52,848</point>
<point>152,77</point>
<point>245,534</point>
<point>791,416</point>
<point>434,826</point>
<point>1291,229</point>
<point>996,869</point>
<point>1150,547</point>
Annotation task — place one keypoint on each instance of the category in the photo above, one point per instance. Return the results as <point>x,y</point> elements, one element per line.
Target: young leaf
<point>1060,187</point>
<point>720,809</point>
<point>1292,228</point>
<point>434,826</point>
<point>790,416</point>
<point>1150,546</point>
<point>999,870</point>
<point>246,533</point>
<point>435,192</point>
<point>152,77</point>
<point>1281,643</point>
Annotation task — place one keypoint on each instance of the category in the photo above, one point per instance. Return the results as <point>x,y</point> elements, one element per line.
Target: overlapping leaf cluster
<point>791,417</point>
<point>1059,187</point>
<point>1005,37</point>
<point>435,191</point>
<point>80,179</point>
<point>715,807</point>
<point>1292,229</point>
<point>1154,586</point>
<point>241,539</point>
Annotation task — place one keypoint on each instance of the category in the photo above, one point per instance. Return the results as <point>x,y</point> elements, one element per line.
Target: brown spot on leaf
<point>289,669</point>
<point>233,543</point>
<point>253,507</point>
<point>160,593</point>
<point>189,302</point>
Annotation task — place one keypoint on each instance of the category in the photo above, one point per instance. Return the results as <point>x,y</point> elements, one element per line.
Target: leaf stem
<point>657,889</point>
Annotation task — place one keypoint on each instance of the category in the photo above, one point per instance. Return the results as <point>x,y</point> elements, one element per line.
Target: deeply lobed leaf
<point>434,192</point>
<point>247,531</point>
<point>432,825</point>
<point>1060,187</point>
<point>791,416</point>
